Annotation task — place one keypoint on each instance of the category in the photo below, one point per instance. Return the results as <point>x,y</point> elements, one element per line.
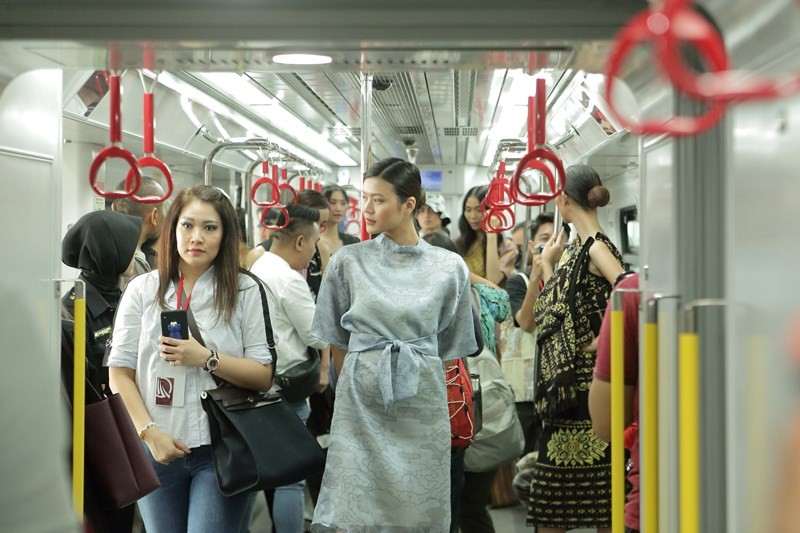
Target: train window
<point>629,224</point>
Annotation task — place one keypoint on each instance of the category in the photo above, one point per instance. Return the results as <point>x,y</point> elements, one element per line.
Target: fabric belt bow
<point>396,382</point>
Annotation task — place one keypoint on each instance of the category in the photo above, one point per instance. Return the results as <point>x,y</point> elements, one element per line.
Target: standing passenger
<point>152,216</point>
<point>338,203</point>
<point>293,311</point>
<point>394,308</point>
<point>432,217</point>
<point>572,476</point>
<point>198,262</point>
<point>102,245</point>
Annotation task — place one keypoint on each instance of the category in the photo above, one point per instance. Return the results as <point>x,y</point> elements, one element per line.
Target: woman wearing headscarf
<point>102,245</point>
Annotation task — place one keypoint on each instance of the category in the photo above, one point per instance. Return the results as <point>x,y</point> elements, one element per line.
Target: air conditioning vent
<point>343,131</point>
<point>459,132</point>
<point>408,130</point>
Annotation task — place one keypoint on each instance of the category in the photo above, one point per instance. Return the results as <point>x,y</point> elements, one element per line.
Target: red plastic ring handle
<point>275,227</point>
<point>132,181</point>
<point>153,162</point>
<point>497,194</point>
<point>505,217</point>
<point>356,222</point>
<point>536,160</point>
<point>643,29</point>
<point>276,192</point>
<point>287,187</point>
<point>725,85</point>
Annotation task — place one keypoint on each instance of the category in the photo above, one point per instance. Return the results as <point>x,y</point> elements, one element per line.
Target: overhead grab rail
<point>539,156</point>
<point>667,27</point>
<point>149,158</point>
<point>133,180</point>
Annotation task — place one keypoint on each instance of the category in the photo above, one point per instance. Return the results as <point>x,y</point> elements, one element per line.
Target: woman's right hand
<point>554,248</point>
<point>164,447</point>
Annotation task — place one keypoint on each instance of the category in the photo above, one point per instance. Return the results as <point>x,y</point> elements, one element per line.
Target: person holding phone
<point>571,484</point>
<point>161,377</point>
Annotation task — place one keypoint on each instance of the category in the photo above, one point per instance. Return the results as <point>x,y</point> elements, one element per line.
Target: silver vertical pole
<point>366,137</point>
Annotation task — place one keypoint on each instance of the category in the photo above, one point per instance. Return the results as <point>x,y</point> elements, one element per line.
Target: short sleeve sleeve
<point>602,368</point>
<point>457,338</point>
<point>516,289</point>
<point>255,318</point>
<point>333,301</point>
<point>124,351</point>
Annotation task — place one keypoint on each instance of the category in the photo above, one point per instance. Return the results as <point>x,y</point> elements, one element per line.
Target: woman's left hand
<point>179,352</point>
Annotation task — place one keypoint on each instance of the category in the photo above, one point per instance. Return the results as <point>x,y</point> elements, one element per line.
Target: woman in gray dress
<point>393,308</point>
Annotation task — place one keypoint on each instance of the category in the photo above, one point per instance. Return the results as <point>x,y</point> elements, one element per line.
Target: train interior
<point>707,219</point>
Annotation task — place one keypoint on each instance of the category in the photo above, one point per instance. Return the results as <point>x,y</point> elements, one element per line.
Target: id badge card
<point>170,385</point>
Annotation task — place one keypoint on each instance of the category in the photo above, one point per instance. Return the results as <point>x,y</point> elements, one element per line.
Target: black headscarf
<point>101,244</point>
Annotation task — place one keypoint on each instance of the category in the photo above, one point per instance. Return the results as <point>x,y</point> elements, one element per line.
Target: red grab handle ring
<point>276,192</point>
<point>275,227</point>
<point>723,85</point>
<point>132,181</point>
<point>536,160</point>
<point>650,26</point>
<point>505,217</point>
<point>154,162</point>
<point>287,187</point>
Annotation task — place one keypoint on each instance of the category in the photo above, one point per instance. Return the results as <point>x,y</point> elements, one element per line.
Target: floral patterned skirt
<point>571,485</point>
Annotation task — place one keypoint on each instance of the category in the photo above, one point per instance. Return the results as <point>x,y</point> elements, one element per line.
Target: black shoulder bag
<point>257,440</point>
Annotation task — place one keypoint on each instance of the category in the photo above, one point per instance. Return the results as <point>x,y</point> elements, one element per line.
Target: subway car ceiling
<point>450,81</point>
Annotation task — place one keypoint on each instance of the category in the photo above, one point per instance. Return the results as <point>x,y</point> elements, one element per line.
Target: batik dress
<point>399,312</point>
<point>571,485</point>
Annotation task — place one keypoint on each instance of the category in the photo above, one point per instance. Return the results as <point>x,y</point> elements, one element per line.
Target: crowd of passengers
<point>409,294</point>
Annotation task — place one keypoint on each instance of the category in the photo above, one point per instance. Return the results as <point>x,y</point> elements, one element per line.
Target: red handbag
<point>460,404</point>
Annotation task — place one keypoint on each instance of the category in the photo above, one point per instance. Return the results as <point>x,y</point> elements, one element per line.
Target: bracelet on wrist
<point>145,428</point>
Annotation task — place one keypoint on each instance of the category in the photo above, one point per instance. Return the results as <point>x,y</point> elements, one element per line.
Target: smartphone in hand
<point>175,324</point>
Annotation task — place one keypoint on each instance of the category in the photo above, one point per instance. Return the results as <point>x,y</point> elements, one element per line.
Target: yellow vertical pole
<point>689,431</point>
<point>649,420</point>
<point>617,414</point>
<point>79,399</point>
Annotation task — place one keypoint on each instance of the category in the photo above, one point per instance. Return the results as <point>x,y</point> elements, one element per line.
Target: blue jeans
<point>286,503</point>
<point>189,498</point>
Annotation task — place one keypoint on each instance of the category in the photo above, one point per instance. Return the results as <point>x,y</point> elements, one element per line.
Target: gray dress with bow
<point>399,311</point>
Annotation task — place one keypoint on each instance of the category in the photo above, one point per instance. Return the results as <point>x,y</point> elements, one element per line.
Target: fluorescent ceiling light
<point>301,59</point>
<point>281,119</point>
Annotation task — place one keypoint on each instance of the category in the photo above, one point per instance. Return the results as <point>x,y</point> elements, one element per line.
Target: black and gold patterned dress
<point>571,485</point>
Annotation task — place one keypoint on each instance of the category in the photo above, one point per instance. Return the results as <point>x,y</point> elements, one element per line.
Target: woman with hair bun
<point>571,485</point>
<point>393,308</point>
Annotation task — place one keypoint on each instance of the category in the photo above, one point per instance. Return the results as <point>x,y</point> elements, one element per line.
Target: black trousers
<point>473,513</point>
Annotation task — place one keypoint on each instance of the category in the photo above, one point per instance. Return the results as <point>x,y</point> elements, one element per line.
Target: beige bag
<point>519,360</point>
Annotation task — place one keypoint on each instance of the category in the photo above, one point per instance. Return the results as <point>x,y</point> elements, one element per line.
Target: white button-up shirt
<point>135,344</point>
<point>293,309</point>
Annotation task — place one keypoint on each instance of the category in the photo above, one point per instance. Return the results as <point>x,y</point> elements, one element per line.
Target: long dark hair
<point>584,187</point>
<point>226,264</point>
<point>468,235</point>
<point>328,190</point>
<point>403,176</point>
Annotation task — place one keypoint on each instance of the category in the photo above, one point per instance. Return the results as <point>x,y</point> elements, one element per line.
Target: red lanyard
<point>180,296</point>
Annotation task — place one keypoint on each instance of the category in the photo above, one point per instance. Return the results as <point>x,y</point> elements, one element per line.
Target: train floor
<point>506,520</point>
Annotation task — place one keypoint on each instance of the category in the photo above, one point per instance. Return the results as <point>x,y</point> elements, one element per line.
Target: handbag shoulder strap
<point>267,323</point>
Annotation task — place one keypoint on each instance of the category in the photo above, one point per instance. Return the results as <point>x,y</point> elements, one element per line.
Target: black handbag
<point>300,381</point>
<point>257,440</point>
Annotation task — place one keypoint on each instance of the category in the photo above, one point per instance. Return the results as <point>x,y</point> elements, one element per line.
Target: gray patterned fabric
<point>399,312</point>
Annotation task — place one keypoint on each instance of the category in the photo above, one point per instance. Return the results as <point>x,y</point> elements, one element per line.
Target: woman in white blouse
<point>161,378</point>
